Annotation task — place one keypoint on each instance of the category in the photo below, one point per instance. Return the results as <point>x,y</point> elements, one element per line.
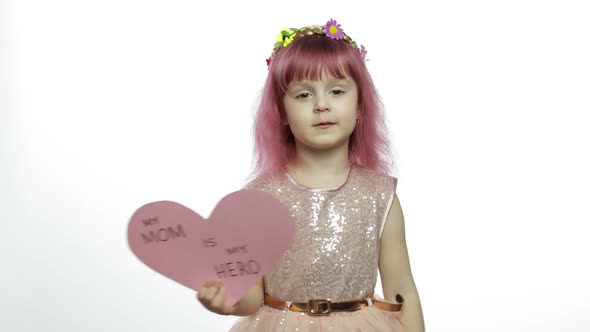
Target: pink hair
<point>309,58</point>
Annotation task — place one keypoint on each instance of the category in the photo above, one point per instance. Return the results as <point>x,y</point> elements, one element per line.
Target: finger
<point>207,283</point>
<point>212,293</point>
<point>201,294</point>
<point>205,292</point>
<point>201,291</point>
<point>216,291</point>
<point>217,300</point>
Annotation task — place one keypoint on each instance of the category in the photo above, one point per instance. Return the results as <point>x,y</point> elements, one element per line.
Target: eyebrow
<point>332,81</point>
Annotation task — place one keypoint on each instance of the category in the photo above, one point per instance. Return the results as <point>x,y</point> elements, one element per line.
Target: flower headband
<point>331,29</point>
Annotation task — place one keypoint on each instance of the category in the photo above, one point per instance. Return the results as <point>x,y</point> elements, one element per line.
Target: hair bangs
<point>313,58</point>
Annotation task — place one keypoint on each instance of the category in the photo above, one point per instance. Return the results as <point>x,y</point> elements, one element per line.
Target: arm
<point>394,266</point>
<point>212,296</point>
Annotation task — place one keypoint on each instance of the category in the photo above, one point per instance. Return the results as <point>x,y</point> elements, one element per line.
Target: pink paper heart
<point>245,236</point>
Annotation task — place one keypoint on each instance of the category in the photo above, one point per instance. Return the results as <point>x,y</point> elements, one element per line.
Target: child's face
<point>330,100</point>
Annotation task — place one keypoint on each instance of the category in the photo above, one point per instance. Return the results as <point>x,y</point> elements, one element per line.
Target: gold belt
<point>322,307</point>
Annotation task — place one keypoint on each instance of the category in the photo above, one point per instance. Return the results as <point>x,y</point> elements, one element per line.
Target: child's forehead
<point>327,79</point>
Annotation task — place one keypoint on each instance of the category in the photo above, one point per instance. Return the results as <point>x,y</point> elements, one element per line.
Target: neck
<point>331,161</point>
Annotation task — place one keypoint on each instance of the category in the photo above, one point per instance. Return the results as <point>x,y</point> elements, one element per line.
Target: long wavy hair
<point>309,58</point>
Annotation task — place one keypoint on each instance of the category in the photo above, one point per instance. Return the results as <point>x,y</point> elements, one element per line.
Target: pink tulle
<point>369,319</point>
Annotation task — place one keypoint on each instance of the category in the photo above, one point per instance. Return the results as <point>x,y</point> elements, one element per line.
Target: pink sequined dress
<point>335,255</point>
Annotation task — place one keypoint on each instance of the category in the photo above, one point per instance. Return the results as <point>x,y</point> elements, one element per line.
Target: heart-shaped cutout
<point>243,239</point>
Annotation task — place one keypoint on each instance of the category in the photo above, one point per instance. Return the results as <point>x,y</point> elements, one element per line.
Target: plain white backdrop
<point>108,105</point>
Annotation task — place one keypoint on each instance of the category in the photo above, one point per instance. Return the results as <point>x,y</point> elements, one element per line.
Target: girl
<point>321,148</point>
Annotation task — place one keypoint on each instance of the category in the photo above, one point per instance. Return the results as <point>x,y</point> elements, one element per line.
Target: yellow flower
<point>286,36</point>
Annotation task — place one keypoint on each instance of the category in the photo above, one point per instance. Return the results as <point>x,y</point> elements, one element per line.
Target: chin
<point>325,145</point>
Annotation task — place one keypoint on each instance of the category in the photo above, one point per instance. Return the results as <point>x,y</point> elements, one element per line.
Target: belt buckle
<point>319,307</point>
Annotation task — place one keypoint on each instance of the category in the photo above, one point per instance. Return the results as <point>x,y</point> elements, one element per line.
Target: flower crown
<point>331,29</point>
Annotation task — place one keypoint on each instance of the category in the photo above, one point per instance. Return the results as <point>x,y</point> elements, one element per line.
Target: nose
<point>321,105</point>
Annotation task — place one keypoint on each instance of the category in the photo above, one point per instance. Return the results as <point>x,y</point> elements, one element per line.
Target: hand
<point>212,297</point>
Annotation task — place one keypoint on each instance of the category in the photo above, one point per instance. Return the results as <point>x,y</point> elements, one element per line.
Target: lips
<point>324,123</point>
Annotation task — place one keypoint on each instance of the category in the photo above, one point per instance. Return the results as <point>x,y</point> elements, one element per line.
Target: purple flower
<point>332,29</point>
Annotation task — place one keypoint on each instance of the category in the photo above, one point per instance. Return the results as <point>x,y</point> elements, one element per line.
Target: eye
<point>303,95</point>
<point>337,92</point>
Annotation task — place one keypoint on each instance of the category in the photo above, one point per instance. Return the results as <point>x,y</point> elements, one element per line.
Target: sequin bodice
<point>336,250</point>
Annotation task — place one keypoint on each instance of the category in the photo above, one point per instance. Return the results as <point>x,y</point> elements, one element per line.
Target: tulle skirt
<point>368,319</point>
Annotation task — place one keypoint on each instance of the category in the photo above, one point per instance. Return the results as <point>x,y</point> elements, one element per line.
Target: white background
<point>108,105</point>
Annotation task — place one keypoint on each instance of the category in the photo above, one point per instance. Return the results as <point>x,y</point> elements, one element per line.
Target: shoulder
<point>378,179</point>
<point>263,182</point>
